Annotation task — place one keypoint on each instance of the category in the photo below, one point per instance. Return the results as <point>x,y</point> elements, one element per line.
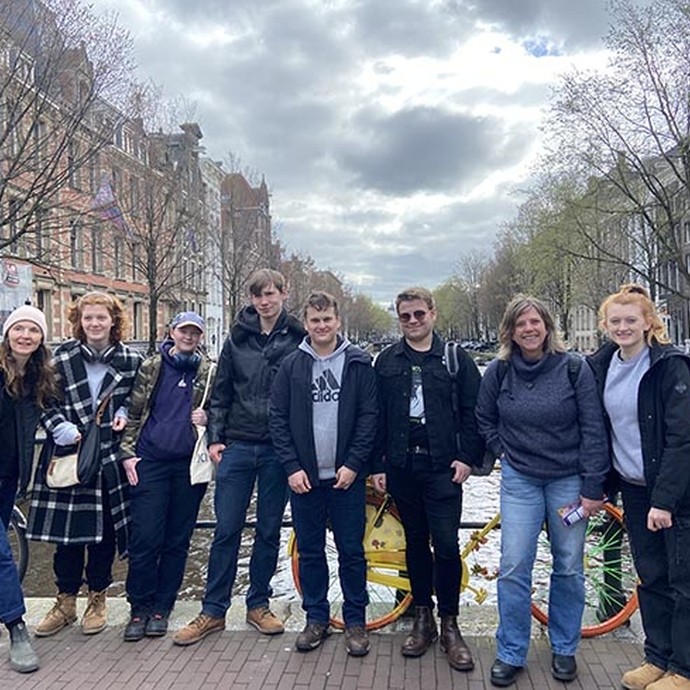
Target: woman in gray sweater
<point>538,410</point>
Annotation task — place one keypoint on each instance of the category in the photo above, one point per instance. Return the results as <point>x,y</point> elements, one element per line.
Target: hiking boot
<point>457,651</point>
<point>201,626</point>
<point>423,633</point>
<point>22,656</point>
<point>265,621</point>
<point>135,630</point>
<point>157,625</point>
<point>63,613</point>
<point>312,636</point>
<point>357,640</point>
<point>642,676</point>
<point>94,619</point>
<point>670,681</point>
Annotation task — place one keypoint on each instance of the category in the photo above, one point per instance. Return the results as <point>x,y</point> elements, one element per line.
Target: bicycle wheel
<point>16,534</point>
<point>610,579</point>
<point>384,550</point>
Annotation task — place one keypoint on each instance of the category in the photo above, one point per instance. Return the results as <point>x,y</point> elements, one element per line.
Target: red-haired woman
<point>645,385</point>
<point>87,522</point>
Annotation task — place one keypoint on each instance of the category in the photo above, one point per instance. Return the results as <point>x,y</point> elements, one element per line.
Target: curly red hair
<point>111,303</point>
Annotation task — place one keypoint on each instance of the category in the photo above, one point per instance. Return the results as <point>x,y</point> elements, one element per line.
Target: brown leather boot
<point>458,653</point>
<point>423,633</point>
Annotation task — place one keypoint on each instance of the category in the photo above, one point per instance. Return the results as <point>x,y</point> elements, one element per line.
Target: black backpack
<point>452,360</point>
<point>450,355</point>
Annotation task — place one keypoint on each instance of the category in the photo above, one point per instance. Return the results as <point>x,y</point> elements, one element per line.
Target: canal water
<point>480,504</point>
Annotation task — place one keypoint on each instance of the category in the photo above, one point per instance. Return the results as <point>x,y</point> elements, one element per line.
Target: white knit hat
<point>26,313</point>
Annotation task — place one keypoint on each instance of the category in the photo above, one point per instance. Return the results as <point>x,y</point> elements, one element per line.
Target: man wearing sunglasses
<point>425,451</point>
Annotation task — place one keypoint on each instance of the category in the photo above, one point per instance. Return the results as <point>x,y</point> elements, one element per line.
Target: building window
<point>45,304</point>
<point>75,244</point>
<point>94,174</point>
<point>135,260</point>
<point>96,251</point>
<point>119,255</point>
<point>138,321</point>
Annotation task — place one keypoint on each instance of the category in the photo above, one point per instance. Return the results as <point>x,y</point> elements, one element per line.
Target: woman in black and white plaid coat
<point>93,519</point>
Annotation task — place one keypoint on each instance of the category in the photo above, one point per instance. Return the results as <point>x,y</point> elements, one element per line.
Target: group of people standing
<point>297,412</point>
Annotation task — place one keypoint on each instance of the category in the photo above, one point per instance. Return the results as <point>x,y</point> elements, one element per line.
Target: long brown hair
<point>630,293</point>
<point>38,378</point>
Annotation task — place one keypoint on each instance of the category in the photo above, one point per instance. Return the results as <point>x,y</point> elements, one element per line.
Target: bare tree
<point>624,134</point>
<point>65,74</point>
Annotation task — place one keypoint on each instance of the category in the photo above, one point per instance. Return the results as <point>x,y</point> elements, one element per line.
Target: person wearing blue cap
<point>156,450</point>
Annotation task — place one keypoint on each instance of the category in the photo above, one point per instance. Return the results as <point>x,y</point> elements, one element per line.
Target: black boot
<point>423,633</point>
<point>22,656</point>
<point>458,653</point>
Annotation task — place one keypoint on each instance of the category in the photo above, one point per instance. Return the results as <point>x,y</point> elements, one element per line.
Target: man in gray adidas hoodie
<point>322,419</point>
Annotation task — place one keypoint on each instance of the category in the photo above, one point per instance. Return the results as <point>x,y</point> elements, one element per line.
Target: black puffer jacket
<point>248,363</point>
<point>664,419</point>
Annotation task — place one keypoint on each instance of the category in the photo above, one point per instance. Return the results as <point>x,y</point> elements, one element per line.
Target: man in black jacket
<point>323,424</point>
<point>240,445</point>
<point>426,448</point>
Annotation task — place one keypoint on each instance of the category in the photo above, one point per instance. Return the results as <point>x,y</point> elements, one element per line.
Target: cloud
<point>390,132</point>
<point>426,149</point>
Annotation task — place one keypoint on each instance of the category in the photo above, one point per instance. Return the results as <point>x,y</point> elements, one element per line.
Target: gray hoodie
<point>327,375</point>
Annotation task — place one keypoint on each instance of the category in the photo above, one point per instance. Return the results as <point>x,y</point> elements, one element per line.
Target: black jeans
<point>429,504</point>
<point>662,561</point>
<point>164,507</point>
<point>69,559</point>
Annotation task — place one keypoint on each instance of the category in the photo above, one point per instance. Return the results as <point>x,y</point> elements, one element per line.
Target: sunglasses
<point>419,315</point>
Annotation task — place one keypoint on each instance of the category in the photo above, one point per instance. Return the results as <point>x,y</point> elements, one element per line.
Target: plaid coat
<point>75,515</point>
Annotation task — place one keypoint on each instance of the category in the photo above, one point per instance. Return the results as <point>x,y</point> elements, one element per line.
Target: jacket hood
<point>657,352</point>
<point>248,323</point>
<point>341,345</point>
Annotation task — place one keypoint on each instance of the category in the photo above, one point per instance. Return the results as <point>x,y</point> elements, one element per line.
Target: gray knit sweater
<point>542,425</point>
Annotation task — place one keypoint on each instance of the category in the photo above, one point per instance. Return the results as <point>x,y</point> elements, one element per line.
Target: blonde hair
<point>630,293</point>
<point>516,306</point>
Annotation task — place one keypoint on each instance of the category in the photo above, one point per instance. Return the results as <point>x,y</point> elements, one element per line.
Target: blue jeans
<point>526,503</point>
<point>164,506</point>
<point>242,466</point>
<point>662,562</point>
<point>345,508</point>
<point>11,597</point>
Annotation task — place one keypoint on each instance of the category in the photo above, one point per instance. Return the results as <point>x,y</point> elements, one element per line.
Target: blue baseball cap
<point>188,318</point>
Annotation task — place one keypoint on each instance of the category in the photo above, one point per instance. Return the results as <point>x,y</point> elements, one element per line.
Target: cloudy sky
<point>393,134</point>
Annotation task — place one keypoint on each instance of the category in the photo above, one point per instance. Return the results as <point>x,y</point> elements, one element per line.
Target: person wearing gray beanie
<point>26,313</point>
<point>27,384</point>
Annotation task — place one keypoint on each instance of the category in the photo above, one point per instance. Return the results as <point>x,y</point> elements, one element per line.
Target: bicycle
<point>16,534</point>
<point>610,582</point>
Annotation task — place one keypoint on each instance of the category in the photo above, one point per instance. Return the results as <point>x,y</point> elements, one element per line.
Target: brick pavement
<point>246,660</point>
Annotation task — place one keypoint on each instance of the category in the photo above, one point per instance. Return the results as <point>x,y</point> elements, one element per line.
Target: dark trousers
<point>69,559</point>
<point>429,504</point>
<point>164,507</point>
<point>345,510</point>
<point>662,561</point>
<point>8,492</point>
